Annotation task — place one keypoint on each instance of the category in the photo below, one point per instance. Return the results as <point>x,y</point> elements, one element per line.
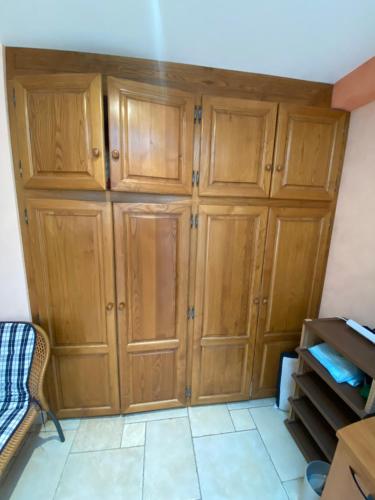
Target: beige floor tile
<point>36,471</point>
<point>170,469</point>
<point>98,434</point>
<point>99,475</point>
<point>133,435</point>
<point>251,403</point>
<point>236,466</point>
<point>293,488</point>
<point>284,453</point>
<point>212,419</point>
<point>155,415</point>
<point>242,420</point>
<point>68,424</point>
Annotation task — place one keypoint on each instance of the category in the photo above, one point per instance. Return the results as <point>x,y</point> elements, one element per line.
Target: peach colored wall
<point>355,89</point>
<point>14,301</point>
<point>349,288</point>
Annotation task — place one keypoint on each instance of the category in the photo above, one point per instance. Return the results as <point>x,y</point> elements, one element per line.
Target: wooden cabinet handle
<point>121,306</point>
<point>109,306</point>
<point>279,168</point>
<point>115,154</point>
<point>95,152</point>
<point>256,301</point>
<point>265,300</point>
<point>268,168</point>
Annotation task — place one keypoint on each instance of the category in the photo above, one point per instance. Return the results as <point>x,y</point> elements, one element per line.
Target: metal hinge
<point>197,114</point>
<point>14,97</point>
<point>26,216</point>
<point>187,392</point>
<point>191,312</point>
<point>194,220</point>
<point>20,168</point>
<point>195,178</point>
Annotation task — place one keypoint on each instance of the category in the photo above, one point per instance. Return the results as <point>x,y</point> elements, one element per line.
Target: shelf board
<point>346,341</point>
<point>318,428</point>
<point>304,441</point>
<point>345,391</point>
<point>325,400</point>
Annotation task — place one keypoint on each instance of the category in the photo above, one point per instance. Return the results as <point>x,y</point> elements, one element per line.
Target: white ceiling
<point>318,40</point>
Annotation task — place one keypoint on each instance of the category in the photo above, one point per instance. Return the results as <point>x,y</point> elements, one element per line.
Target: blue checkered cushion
<point>17,343</point>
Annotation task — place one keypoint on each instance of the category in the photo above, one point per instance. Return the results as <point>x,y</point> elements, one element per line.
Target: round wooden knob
<point>279,168</point>
<point>115,154</point>
<point>268,168</point>
<point>256,301</point>
<point>95,152</point>
<point>121,306</point>
<point>109,306</point>
<point>265,301</point>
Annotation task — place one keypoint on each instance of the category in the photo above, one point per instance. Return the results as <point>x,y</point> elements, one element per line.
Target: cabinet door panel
<point>152,262</point>
<point>72,253</point>
<point>229,261</point>
<point>293,272</point>
<point>308,155</point>
<point>237,147</point>
<point>60,131</point>
<point>151,128</point>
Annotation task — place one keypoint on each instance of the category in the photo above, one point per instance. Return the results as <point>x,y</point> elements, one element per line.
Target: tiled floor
<point>234,451</point>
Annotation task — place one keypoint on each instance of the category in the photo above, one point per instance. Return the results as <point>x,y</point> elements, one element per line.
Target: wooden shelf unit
<point>320,406</point>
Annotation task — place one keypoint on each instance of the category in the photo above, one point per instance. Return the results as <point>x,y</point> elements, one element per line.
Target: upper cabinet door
<point>60,131</point>
<point>308,154</point>
<point>151,137</point>
<point>237,145</point>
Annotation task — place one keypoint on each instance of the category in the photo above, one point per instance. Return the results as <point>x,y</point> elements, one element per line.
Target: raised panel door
<point>309,150</point>
<point>293,271</point>
<point>151,137</point>
<point>229,263</point>
<point>237,140</point>
<point>152,265</point>
<point>60,131</point>
<point>72,254</point>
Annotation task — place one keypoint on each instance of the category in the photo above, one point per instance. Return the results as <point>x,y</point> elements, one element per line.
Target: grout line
<point>65,462</point>
<point>104,449</point>
<point>268,453</point>
<point>155,420</point>
<point>225,433</point>
<point>231,418</point>
<point>195,457</point>
<point>144,462</point>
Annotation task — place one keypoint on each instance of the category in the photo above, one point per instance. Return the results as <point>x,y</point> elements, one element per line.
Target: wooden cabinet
<point>219,245</point>
<point>293,270</point>
<point>308,154</point>
<point>152,265</point>
<point>237,141</point>
<point>72,254</point>
<point>59,122</point>
<point>151,137</point>
<point>228,276</point>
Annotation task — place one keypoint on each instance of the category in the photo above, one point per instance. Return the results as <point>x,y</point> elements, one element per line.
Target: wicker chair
<point>38,401</point>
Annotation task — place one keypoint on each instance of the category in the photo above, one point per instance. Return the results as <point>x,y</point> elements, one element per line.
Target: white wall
<point>349,288</point>
<point>14,302</point>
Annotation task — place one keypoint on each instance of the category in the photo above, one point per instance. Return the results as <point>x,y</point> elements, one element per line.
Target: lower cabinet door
<point>72,254</point>
<point>152,265</point>
<point>293,273</point>
<point>228,278</point>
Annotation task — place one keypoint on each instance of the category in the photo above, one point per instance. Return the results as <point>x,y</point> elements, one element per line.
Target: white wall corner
<point>14,298</point>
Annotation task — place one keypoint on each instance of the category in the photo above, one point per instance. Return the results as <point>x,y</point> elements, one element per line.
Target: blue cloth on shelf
<point>341,369</point>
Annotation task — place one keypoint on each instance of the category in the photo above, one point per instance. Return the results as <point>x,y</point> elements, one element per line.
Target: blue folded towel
<point>340,368</point>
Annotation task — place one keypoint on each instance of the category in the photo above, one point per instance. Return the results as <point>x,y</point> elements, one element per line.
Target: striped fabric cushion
<point>17,343</point>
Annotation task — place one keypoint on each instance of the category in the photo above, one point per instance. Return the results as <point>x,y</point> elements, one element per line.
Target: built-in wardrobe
<point>176,224</point>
